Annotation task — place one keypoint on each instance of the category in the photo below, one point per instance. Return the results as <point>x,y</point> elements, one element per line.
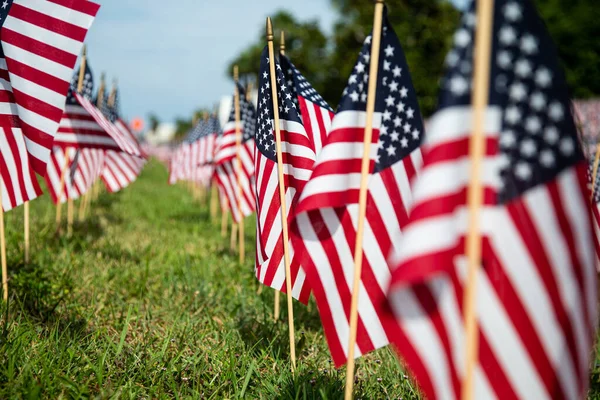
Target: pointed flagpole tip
<point>84,50</point>
<point>235,73</point>
<point>282,43</point>
<point>269,30</point>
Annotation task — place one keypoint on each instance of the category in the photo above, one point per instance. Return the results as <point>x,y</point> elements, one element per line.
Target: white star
<point>452,59</point>
<point>529,44</point>
<point>547,158</point>
<point>416,134</point>
<point>389,51</point>
<point>391,150</point>
<point>507,139</point>
<point>537,101</point>
<point>360,67</point>
<point>287,109</point>
<point>390,100</point>
<point>365,77</point>
<point>386,65</point>
<point>397,122</point>
<point>383,130</point>
<point>368,39</point>
<point>265,75</point>
<point>366,57</point>
<point>387,115</point>
<point>363,97</point>
<point>354,96</point>
<point>393,86</point>
<point>352,79</point>
<point>513,115</point>
<point>459,85</point>
<point>533,125</point>
<point>507,35</point>
<point>403,92</point>
<point>523,171</point>
<point>504,59</point>
<point>528,148</point>
<point>380,144</point>
<point>397,71</point>
<point>462,38</point>
<point>556,111</point>
<point>518,91</point>
<point>523,68</point>
<point>410,113</point>
<point>395,136</point>
<point>361,86</point>
<point>400,107</point>
<point>512,11</point>
<point>407,127</point>
<point>551,135</point>
<point>404,142</point>
<point>543,77</point>
<point>567,147</point>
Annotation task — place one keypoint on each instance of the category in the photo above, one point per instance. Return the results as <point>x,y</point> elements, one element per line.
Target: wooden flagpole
<point>26,231</point>
<point>214,202</point>
<point>277,292</point>
<point>362,197</point>
<point>3,249</point>
<point>481,77</point>
<point>595,170</point>
<point>234,232</point>
<point>282,199</point>
<point>238,143</point>
<point>224,217</point>
<point>66,163</point>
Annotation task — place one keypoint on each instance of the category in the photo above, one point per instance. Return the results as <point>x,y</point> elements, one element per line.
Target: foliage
<point>425,29</point>
<point>146,302</point>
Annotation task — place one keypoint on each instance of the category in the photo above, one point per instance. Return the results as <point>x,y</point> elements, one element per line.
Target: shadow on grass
<point>324,384</point>
<point>192,216</point>
<point>36,293</point>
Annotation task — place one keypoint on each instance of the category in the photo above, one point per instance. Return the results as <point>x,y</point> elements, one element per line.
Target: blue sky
<point>170,57</point>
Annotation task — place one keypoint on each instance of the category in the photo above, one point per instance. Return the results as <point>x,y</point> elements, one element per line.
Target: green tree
<point>154,121</point>
<point>424,27</point>
<point>305,44</point>
<point>574,27</point>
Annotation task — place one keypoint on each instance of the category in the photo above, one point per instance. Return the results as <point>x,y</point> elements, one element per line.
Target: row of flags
<point>50,125</point>
<point>536,300</point>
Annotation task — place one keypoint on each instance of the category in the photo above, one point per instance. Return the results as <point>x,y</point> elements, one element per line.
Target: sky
<point>170,57</point>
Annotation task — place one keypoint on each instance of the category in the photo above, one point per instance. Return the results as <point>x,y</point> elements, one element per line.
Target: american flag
<point>33,89</point>
<point>314,111</point>
<point>226,163</point>
<point>41,41</point>
<point>327,210</point>
<point>536,290</point>
<point>207,140</point>
<point>120,168</point>
<point>298,158</point>
<point>84,167</point>
<point>112,111</point>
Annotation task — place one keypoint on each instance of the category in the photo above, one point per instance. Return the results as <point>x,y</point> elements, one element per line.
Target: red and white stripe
<point>120,170</point>
<point>227,175</point>
<point>536,296</point>
<point>298,159</point>
<point>79,178</point>
<point>316,121</point>
<point>19,182</point>
<point>41,41</point>
<point>325,231</point>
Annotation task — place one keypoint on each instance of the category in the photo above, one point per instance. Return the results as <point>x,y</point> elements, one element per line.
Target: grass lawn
<point>146,301</point>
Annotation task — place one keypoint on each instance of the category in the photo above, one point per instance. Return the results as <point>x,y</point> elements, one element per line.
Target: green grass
<point>146,301</point>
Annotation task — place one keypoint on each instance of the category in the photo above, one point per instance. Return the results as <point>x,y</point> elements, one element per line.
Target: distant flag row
<point>45,121</point>
<point>536,300</point>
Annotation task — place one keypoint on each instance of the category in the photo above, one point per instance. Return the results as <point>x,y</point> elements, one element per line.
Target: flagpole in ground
<point>238,144</point>
<point>26,230</point>
<point>282,199</point>
<point>224,216</point>
<point>481,77</point>
<point>277,293</point>
<point>214,201</point>
<point>362,197</point>
<point>66,163</point>
<point>3,250</point>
